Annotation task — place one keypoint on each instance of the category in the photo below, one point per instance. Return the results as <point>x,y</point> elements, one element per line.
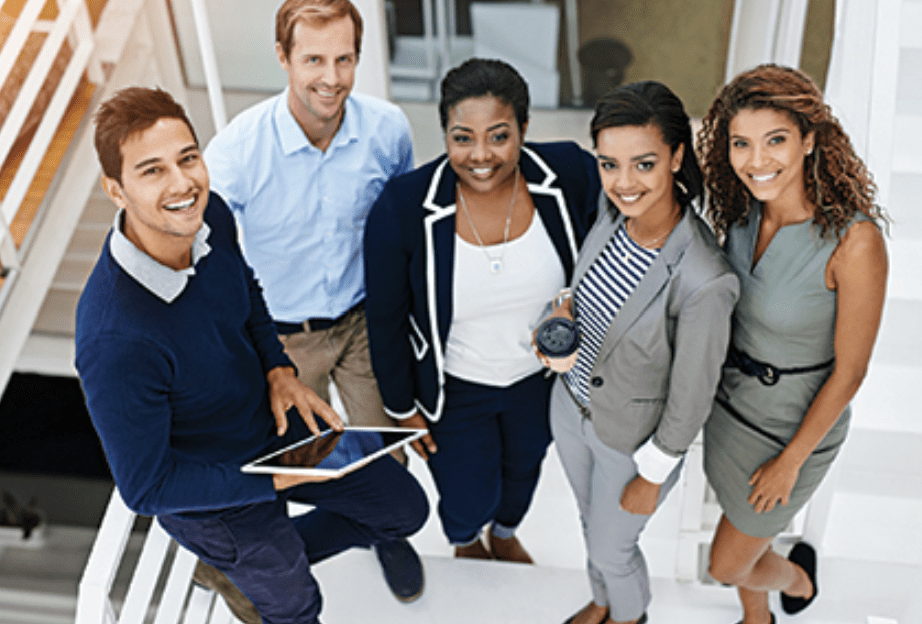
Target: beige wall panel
<point>680,43</point>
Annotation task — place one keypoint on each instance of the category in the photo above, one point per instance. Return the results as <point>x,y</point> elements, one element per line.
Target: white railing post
<point>93,604</point>
<point>9,257</point>
<point>210,63</point>
<point>84,31</point>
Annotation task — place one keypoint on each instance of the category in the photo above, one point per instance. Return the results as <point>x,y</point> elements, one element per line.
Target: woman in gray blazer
<point>652,298</point>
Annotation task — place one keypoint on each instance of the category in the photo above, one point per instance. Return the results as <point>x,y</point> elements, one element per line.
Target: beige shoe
<point>474,550</point>
<point>508,549</point>
<point>215,580</point>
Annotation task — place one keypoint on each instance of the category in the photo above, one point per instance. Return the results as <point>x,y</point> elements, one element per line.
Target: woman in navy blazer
<point>458,252</point>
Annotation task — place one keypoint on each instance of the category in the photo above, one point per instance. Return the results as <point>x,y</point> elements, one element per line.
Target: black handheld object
<point>557,337</point>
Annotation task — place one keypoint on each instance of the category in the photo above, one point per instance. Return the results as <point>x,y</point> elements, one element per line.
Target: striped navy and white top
<point>601,293</point>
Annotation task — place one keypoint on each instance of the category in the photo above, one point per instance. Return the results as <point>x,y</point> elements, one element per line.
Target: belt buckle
<point>769,375</point>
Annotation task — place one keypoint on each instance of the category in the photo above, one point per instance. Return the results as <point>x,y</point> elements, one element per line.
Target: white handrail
<point>25,23</point>
<point>46,129</point>
<point>37,75</point>
<point>210,63</point>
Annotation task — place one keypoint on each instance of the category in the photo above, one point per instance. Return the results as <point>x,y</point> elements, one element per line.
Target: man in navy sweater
<point>186,380</point>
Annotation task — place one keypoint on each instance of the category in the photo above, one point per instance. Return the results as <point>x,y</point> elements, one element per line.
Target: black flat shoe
<point>802,555</point>
<point>570,619</point>
<point>642,620</point>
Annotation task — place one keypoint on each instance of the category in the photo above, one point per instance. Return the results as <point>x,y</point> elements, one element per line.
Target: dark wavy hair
<point>836,180</point>
<point>478,77</point>
<point>650,102</point>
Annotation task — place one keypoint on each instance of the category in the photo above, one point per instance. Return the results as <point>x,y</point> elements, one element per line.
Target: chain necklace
<point>654,244</point>
<point>496,263</point>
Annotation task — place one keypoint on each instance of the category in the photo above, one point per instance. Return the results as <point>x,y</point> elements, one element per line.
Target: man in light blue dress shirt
<point>300,171</point>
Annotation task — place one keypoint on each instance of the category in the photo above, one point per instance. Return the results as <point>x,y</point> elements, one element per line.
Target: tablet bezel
<point>252,467</point>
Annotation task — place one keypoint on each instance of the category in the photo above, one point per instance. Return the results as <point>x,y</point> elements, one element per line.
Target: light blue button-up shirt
<point>303,210</point>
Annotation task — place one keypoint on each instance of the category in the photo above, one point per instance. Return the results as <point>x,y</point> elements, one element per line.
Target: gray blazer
<point>660,362</point>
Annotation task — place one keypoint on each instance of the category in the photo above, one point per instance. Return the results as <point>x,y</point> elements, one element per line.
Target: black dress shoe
<point>804,556</point>
<point>403,570</point>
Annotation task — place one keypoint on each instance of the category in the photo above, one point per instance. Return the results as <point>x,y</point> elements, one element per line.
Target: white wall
<point>244,39</point>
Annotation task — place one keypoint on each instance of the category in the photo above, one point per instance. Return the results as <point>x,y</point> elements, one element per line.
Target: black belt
<point>767,373</point>
<point>315,324</point>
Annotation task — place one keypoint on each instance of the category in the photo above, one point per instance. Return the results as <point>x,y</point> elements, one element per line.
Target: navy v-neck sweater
<point>177,391</point>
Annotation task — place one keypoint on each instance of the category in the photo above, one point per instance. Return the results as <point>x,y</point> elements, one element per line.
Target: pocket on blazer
<point>417,340</point>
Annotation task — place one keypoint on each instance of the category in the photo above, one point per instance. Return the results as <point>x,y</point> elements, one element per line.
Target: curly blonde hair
<point>836,180</point>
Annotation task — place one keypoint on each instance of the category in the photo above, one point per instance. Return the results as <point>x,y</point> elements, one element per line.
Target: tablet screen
<point>334,451</point>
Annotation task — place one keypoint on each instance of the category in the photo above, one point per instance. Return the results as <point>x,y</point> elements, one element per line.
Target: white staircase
<point>133,45</point>
<point>880,485</point>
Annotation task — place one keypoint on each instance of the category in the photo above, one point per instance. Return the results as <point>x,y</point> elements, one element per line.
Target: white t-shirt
<point>494,314</point>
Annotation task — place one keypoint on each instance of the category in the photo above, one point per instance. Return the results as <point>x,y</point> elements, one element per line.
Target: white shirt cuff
<point>399,415</point>
<point>654,464</point>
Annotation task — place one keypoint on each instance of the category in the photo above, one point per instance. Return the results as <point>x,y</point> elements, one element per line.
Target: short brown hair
<point>316,13</point>
<point>131,110</point>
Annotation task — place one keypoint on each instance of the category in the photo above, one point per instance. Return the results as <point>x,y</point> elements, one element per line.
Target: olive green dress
<point>785,317</point>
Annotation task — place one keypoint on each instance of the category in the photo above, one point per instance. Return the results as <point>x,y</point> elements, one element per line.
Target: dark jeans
<point>491,442</point>
<point>268,555</point>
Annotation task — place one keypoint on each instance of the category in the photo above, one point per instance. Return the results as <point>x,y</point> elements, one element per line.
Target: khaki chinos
<point>340,354</point>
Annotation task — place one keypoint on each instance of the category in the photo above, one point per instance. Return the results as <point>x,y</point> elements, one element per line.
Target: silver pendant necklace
<point>495,263</point>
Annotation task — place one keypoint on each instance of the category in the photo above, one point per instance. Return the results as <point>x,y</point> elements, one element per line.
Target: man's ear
<point>280,53</point>
<point>113,189</point>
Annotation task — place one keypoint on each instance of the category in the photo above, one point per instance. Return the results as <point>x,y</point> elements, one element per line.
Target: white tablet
<point>334,453</point>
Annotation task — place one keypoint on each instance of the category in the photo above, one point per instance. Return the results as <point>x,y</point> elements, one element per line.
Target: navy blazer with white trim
<point>409,263</point>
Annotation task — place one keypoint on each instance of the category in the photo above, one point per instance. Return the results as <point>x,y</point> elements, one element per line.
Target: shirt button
<point>596,382</point>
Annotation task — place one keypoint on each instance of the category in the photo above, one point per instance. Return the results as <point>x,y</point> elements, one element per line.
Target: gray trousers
<point>598,473</point>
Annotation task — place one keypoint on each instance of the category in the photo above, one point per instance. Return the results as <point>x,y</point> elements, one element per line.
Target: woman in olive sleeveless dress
<point>795,206</point>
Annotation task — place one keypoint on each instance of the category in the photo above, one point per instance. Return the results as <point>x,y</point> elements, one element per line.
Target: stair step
<point>862,527</point>
<point>73,272</point>
<point>899,342</point>
<point>36,607</point>
<point>909,87</point>
<point>905,190</point>
<point>906,156</point>
<point>57,315</point>
<point>47,355</point>
<point>888,399</point>
<point>99,210</point>
<point>911,25</point>
<point>882,463</point>
<point>905,260</point>
<point>87,239</point>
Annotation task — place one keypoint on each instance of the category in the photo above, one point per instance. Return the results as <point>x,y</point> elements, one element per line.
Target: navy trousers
<point>268,555</point>
<point>491,442</point>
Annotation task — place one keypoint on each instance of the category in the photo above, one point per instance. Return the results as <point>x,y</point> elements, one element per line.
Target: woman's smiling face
<point>637,169</point>
<point>483,142</point>
<point>767,153</point>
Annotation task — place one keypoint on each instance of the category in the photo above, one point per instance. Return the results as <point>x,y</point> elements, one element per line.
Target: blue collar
<point>291,136</point>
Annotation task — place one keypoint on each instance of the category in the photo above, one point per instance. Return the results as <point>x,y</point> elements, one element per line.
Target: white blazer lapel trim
<point>544,188</point>
<point>438,213</point>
